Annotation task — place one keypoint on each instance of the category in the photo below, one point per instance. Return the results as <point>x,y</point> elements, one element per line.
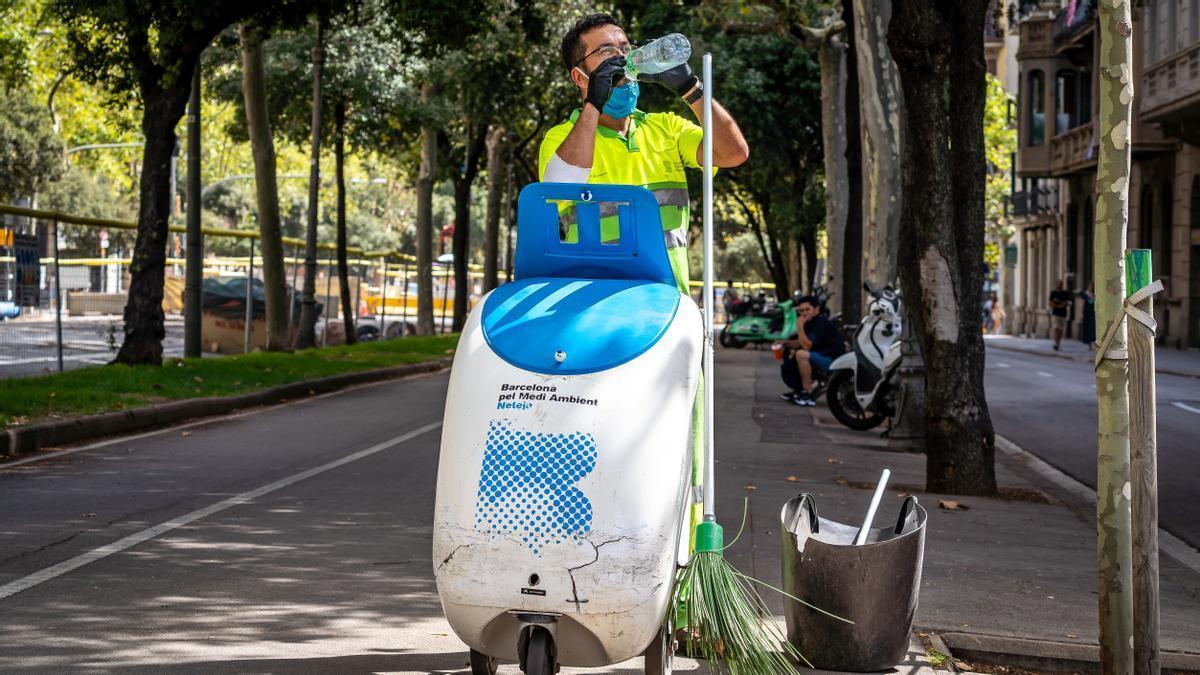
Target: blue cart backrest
<point>543,250</point>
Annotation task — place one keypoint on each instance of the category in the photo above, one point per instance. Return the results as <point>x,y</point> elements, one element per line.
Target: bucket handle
<point>906,510</point>
<point>797,507</point>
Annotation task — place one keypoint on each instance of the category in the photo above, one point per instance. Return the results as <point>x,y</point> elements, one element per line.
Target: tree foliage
<point>31,154</point>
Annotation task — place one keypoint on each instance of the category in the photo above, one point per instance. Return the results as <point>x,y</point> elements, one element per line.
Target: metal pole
<point>58,300</point>
<point>445,297</point>
<point>383,303</point>
<point>295,269</point>
<point>194,238</point>
<point>710,513</point>
<point>358,286</point>
<point>249,299</point>
<point>1143,466</point>
<point>328,290</point>
<point>404,302</point>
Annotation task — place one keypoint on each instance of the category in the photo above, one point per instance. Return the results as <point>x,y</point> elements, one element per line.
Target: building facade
<point>1053,200</point>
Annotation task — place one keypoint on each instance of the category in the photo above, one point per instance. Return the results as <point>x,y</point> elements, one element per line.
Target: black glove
<point>603,79</point>
<point>679,79</point>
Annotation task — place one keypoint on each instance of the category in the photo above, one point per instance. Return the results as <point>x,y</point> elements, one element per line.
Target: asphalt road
<point>1048,406</point>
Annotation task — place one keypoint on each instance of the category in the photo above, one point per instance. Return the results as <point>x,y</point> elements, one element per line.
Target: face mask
<point>622,101</point>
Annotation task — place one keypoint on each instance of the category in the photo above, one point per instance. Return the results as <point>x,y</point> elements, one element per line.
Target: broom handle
<point>709,381</point>
<point>875,499</point>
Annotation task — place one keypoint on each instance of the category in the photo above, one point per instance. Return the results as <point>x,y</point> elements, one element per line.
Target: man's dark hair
<point>572,44</point>
<point>810,301</point>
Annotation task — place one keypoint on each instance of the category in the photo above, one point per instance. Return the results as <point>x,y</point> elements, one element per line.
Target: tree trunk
<point>1113,517</point>
<point>339,155</point>
<point>144,331</point>
<point>852,256</point>
<point>425,179</point>
<point>306,335</point>
<point>258,126</point>
<point>832,57</point>
<point>778,264</point>
<point>880,102</point>
<point>497,146</point>
<point>461,245</point>
<point>807,242</point>
<point>938,47</point>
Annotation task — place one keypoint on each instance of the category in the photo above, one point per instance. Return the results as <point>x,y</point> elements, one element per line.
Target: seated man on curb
<point>818,342</point>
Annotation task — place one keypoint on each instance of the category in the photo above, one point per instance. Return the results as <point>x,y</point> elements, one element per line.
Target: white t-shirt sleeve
<point>559,171</point>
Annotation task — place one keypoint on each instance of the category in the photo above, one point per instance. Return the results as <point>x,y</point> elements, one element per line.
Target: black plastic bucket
<point>874,585</point>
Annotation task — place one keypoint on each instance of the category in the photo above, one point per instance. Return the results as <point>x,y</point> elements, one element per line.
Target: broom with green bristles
<point>724,619</point>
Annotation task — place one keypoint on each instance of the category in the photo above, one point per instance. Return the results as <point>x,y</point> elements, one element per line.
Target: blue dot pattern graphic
<point>527,485</point>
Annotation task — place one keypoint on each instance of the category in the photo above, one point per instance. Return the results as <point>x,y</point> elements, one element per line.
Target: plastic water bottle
<point>663,54</point>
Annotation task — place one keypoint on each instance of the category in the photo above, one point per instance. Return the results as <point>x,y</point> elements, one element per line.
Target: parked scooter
<point>863,383</point>
<point>761,325</point>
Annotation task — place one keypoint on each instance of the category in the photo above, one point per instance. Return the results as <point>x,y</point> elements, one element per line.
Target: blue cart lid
<point>592,324</point>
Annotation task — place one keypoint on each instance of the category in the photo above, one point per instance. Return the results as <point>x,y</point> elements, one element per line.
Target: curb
<point>1181,551</point>
<point>1037,352</point>
<point>1045,655</point>
<point>23,440</point>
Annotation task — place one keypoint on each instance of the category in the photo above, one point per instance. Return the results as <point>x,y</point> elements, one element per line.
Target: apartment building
<point>1053,203</point>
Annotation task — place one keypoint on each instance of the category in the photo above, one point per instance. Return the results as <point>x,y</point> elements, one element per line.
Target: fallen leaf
<point>792,479</point>
<point>952,505</point>
<point>185,434</point>
<point>198,378</point>
<point>89,515</point>
<point>834,460</point>
<point>53,394</point>
<point>1073,636</point>
<point>751,488</point>
<point>841,480</point>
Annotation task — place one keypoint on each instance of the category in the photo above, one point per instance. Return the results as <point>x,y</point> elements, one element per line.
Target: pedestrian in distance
<point>1087,332</point>
<point>608,140</point>
<point>818,342</point>
<point>998,316</point>
<point>1060,300</point>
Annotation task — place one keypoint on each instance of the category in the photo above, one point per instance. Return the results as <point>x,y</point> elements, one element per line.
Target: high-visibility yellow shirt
<point>652,154</point>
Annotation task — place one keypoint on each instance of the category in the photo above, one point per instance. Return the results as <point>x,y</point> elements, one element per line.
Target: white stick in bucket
<point>875,499</point>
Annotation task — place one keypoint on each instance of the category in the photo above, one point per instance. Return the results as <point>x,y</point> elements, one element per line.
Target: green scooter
<point>772,325</point>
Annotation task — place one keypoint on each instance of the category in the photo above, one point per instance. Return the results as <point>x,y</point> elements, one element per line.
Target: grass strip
<point>99,389</point>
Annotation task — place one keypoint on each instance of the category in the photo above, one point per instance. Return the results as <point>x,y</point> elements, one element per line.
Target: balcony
<point>1172,91</point>
<point>1036,39</point>
<point>1040,201</point>
<point>1074,151</point>
<point>1070,27</point>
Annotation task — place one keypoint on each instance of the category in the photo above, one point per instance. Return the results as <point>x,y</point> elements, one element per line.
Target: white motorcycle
<point>864,383</point>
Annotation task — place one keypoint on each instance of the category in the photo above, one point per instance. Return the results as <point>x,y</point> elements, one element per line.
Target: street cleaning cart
<point>563,496</point>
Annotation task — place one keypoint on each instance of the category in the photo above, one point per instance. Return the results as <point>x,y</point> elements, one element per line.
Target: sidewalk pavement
<point>1167,360</point>
<point>1009,574</point>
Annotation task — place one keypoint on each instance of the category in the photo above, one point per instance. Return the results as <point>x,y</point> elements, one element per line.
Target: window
<point>1195,199</point>
<point>1037,108</point>
<point>1166,224</point>
<point>1066,101</point>
<point>1085,99</point>
<point>1170,10</point>
<point>1150,48</point>
<point>1193,21</point>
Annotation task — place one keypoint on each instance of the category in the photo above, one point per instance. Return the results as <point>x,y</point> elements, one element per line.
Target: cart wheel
<point>660,653</point>
<point>539,653</point>
<point>482,664</point>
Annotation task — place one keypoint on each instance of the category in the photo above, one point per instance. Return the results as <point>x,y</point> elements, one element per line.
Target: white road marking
<point>1184,406</point>
<point>53,454</point>
<point>1167,543</point>
<point>1044,373</point>
<point>25,583</point>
